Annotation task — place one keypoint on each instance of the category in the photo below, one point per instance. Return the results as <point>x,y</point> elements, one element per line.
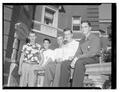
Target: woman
<point>30,58</point>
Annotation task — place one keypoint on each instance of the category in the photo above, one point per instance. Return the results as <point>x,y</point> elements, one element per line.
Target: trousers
<point>52,75</point>
<point>79,72</point>
<point>28,77</point>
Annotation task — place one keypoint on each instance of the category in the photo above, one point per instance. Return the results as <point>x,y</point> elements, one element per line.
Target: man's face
<point>46,44</point>
<point>60,40</point>
<point>68,35</point>
<point>85,28</point>
<point>32,37</point>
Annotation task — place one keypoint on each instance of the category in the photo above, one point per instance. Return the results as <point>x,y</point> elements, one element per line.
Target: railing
<point>100,68</point>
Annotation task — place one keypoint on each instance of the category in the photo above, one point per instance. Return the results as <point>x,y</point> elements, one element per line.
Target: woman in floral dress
<point>31,56</point>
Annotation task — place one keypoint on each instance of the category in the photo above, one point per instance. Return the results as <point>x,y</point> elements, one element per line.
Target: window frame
<point>76,24</point>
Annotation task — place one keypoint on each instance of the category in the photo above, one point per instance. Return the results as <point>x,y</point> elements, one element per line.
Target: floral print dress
<point>32,53</point>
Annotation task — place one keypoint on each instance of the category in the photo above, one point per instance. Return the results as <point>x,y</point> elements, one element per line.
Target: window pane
<point>77,28</point>
<point>76,21</point>
<point>48,21</point>
<point>76,17</point>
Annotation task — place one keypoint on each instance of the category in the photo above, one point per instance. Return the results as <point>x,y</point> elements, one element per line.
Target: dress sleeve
<point>23,48</point>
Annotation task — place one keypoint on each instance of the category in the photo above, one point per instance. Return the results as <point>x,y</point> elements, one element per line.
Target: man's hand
<point>73,62</point>
<point>41,51</point>
<point>37,67</point>
<point>19,71</point>
<point>70,58</point>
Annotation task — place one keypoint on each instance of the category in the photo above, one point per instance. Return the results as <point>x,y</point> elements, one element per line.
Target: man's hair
<point>67,29</point>
<point>46,39</point>
<point>88,22</point>
<point>31,32</point>
<point>28,39</point>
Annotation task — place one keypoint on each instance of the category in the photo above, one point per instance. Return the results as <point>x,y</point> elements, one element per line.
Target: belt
<point>30,62</point>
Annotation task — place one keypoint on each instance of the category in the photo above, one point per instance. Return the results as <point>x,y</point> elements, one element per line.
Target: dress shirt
<point>70,49</point>
<point>47,55</point>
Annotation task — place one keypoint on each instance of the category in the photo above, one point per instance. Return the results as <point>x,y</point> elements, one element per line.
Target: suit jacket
<point>89,47</point>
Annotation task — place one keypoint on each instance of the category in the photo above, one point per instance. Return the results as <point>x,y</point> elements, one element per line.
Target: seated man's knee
<point>80,62</point>
<point>65,64</point>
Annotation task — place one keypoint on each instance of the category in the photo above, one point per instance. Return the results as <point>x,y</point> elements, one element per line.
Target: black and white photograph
<point>59,45</point>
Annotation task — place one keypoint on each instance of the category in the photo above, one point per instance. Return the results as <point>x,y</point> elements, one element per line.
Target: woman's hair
<point>46,39</point>
<point>27,40</point>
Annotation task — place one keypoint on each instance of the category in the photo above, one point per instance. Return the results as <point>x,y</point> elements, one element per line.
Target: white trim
<point>105,20</point>
<point>96,32</point>
<point>12,66</point>
<point>104,36</point>
<point>91,32</point>
<point>43,13</point>
<point>41,32</point>
<point>78,39</point>
<point>56,19</point>
<point>38,22</point>
<point>100,68</point>
<point>50,8</point>
<point>77,31</point>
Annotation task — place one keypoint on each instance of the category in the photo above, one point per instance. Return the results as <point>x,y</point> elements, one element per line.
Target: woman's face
<point>46,44</point>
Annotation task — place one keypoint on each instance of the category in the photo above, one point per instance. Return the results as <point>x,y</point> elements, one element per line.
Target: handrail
<point>100,68</point>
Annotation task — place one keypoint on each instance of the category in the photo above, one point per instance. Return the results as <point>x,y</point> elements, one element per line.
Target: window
<point>49,21</point>
<point>76,23</point>
<point>50,16</point>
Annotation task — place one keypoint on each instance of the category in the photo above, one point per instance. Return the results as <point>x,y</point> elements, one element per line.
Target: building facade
<point>48,21</point>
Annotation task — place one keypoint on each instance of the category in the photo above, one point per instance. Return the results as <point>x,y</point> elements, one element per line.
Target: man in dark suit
<point>90,48</point>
